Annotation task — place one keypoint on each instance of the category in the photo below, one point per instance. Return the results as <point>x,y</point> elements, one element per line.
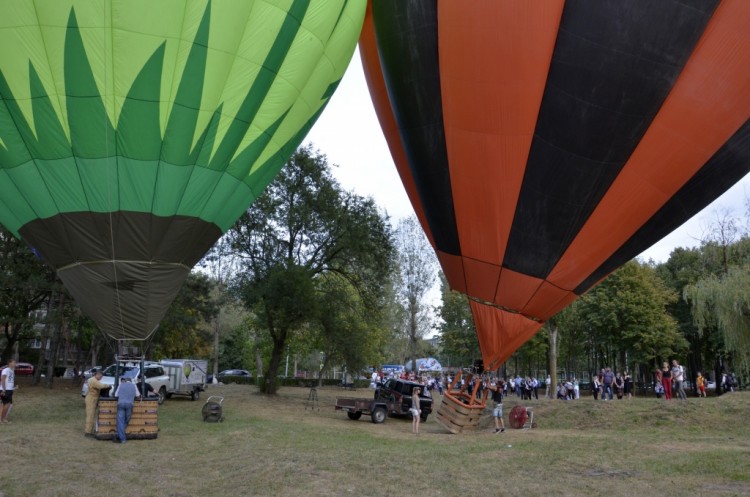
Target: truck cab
<point>397,393</point>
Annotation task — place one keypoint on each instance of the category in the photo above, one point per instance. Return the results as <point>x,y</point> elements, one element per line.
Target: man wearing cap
<point>95,386</point>
<point>126,394</point>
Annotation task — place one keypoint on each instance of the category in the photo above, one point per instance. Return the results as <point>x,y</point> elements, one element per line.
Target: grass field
<point>276,447</point>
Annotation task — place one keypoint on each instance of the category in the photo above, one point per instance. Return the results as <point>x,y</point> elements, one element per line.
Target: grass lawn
<point>275,447</point>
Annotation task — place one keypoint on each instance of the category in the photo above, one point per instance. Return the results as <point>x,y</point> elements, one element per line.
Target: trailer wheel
<point>378,415</point>
<point>195,394</point>
<point>354,415</point>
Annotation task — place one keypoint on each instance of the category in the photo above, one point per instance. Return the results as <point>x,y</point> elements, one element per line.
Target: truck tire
<point>354,415</point>
<point>162,395</point>
<point>195,394</point>
<point>378,415</point>
<point>423,417</point>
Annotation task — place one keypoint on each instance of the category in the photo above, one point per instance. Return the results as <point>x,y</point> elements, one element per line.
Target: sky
<point>349,134</point>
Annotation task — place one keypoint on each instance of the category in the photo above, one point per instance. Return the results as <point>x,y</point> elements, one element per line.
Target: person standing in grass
<point>666,381</point>
<point>678,376</point>
<point>7,386</point>
<point>700,382</point>
<point>608,381</point>
<point>628,385</point>
<point>415,410</point>
<point>126,394</point>
<point>497,396</point>
<point>595,387</point>
<point>658,385</point>
<point>95,386</point>
<point>619,386</point>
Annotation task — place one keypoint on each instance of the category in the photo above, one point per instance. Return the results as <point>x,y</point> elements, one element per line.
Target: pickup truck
<point>154,373</point>
<point>396,393</point>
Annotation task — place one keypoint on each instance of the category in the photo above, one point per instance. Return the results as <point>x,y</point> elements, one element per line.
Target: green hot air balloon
<point>133,133</point>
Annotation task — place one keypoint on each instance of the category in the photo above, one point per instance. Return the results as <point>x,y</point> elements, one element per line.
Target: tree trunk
<point>216,346</point>
<point>553,358</point>
<point>269,386</point>
<point>11,337</point>
<point>258,363</point>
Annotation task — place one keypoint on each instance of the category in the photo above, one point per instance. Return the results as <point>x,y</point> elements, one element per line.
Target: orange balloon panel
<point>545,143</point>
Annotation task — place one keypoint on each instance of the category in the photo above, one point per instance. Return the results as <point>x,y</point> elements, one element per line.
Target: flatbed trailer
<point>377,409</point>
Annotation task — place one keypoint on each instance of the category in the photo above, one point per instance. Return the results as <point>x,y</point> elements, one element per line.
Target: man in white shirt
<point>678,377</point>
<point>7,386</point>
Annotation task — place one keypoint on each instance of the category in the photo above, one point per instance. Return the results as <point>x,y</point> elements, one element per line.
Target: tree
<point>348,332</point>
<point>714,295</point>
<point>723,301</point>
<point>183,332</point>
<point>25,286</point>
<point>304,227</point>
<point>629,312</point>
<point>220,263</point>
<point>417,271</point>
<point>458,336</point>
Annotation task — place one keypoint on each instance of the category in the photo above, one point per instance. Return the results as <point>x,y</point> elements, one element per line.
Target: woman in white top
<point>415,410</point>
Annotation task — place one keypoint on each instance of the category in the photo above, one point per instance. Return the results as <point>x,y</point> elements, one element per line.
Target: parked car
<point>22,369</point>
<point>90,372</point>
<point>233,373</point>
<point>154,373</point>
<point>397,393</point>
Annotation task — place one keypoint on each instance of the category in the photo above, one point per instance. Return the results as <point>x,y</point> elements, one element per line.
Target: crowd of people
<point>670,381</point>
<point>607,385</point>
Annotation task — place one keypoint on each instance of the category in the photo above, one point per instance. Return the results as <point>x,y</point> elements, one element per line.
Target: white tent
<point>426,365</point>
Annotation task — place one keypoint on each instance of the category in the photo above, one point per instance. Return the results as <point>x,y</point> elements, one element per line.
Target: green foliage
<point>237,346</point>
<point>723,301</point>
<point>183,331</point>
<point>458,335</point>
<point>628,310</point>
<point>716,298</point>
<point>350,333</point>
<point>25,286</point>
<point>534,352</point>
<point>303,242</point>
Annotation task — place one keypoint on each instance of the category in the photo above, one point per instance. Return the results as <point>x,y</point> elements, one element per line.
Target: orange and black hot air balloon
<point>545,143</point>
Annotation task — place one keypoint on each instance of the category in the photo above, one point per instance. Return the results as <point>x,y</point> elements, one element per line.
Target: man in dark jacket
<point>608,384</point>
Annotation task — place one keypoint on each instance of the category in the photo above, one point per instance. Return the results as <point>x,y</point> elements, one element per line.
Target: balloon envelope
<point>545,143</point>
<point>133,133</point>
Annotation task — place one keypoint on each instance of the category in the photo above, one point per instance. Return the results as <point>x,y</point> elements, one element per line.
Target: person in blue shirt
<point>126,394</point>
